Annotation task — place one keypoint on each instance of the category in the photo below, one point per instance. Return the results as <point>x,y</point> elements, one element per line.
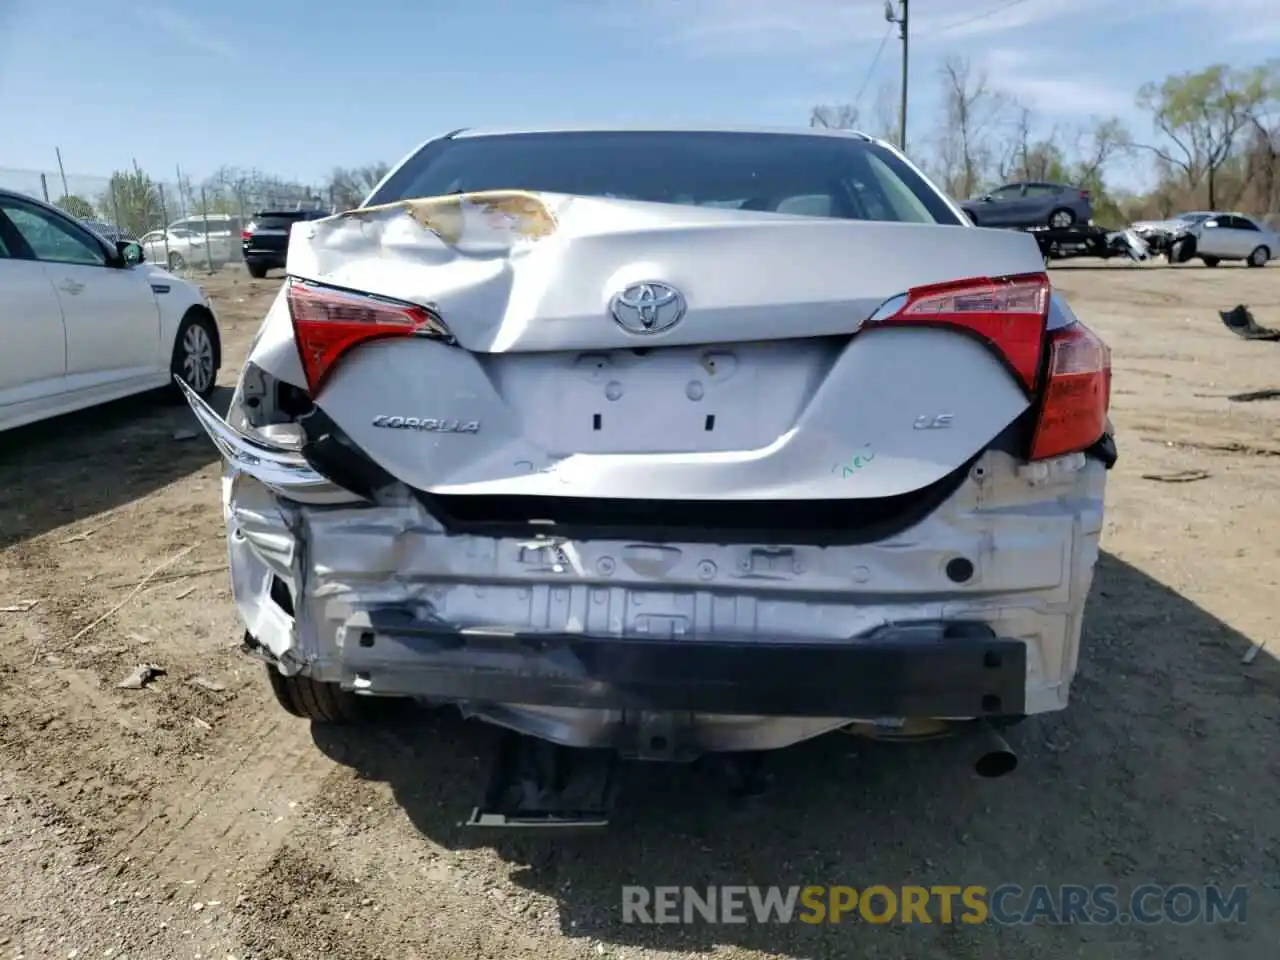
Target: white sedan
<point>84,322</point>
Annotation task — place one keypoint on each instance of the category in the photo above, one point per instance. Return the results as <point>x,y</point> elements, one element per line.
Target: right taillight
<point>1076,394</point>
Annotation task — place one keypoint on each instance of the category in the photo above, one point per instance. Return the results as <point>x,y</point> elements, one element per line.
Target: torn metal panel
<point>523,272</point>
<point>1023,534</point>
<point>282,469</point>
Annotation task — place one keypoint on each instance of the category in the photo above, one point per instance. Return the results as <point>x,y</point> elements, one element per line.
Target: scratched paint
<point>518,214</point>
<point>856,463</point>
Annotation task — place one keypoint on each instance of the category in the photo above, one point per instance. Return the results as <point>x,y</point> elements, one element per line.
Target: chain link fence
<point>191,227</point>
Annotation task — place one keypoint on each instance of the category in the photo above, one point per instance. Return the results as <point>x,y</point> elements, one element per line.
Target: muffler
<point>994,757</point>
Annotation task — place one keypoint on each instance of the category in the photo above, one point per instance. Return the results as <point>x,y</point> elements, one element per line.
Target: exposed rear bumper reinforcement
<point>956,669</point>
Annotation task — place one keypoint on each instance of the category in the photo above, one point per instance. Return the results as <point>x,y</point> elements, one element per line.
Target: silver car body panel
<point>1033,531</point>
<point>803,411</point>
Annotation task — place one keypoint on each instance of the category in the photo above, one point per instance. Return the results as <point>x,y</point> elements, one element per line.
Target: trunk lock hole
<point>710,423</point>
<point>959,569</point>
<point>595,421</point>
<point>991,659</point>
<point>990,703</point>
<point>366,639</point>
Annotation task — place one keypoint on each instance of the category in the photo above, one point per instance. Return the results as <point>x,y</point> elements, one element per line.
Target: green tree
<point>1200,114</point>
<point>76,206</point>
<point>133,197</point>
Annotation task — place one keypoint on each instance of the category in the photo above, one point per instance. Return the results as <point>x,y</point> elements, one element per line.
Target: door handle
<point>72,286</point>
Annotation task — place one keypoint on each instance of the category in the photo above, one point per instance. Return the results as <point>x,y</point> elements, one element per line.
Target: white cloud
<point>720,28</point>
<point>187,30</point>
<point>1019,74</point>
<point>785,27</point>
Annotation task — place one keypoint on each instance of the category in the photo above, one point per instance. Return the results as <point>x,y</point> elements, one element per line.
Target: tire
<point>1061,218</point>
<point>257,270</point>
<point>314,699</point>
<point>1211,261</point>
<point>196,354</point>
<point>176,261</point>
<point>1259,257</point>
<point>1182,250</point>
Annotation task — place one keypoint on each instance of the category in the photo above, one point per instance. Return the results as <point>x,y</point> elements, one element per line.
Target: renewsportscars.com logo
<point>1007,904</point>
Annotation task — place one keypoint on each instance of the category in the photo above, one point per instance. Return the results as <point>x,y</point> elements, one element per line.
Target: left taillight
<point>1008,313</point>
<point>329,323</point>
<point>1077,393</point>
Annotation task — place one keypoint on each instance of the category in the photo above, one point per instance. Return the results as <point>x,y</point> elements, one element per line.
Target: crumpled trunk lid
<point>761,391</point>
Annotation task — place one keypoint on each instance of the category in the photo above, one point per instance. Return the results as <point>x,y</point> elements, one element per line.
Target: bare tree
<point>840,116</point>
<point>348,186</point>
<point>884,118</point>
<point>973,111</point>
<point>1098,145</point>
<point>1027,156</point>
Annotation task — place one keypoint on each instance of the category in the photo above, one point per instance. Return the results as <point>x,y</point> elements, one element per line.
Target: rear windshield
<point>817,176</point>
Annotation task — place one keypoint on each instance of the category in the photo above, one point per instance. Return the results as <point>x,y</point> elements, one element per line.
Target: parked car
<point>1031,204</point>
<point>1211,236</point>
<point>265,240</point>
<point>200,241</point>
<point>635,458</point>
<point>84,321</point>
<point>108,231</point>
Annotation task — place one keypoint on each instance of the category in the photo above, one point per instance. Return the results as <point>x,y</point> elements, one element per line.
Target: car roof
<point>468,133</point>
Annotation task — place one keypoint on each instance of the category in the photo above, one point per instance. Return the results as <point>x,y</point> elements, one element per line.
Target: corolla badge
<point>648,307</point>
<point>427,424</point>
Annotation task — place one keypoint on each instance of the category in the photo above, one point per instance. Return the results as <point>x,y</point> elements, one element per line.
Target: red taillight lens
<point>245,234</point>
<point>1009,313</point>
<point>1077,393</point>
<point>328,323</point>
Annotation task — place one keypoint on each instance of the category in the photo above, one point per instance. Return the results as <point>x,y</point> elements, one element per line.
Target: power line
<point>976,17</point>
<point>871,70</point>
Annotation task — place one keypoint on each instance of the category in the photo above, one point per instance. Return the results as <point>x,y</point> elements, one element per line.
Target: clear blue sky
<point>295,87</point>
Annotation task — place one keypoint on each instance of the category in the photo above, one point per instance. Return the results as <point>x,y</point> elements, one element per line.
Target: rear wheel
<point>1061,218</point>
<point>314,699</point>
<point>176,260</point>
<point>1211,261</point>
<point>257,270</point>
<point>1259,257</point>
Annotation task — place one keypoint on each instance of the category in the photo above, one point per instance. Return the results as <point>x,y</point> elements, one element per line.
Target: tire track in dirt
<point>233,816</point>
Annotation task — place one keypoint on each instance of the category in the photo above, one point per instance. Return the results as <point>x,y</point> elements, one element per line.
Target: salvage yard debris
<point>1240,322</point>
<point>1182,476</point>
<point>141,676</point>
<point>205,683</point>
<point>1255,395</point>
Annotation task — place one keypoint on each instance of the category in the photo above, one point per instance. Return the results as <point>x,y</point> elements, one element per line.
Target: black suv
<point>265,240</point>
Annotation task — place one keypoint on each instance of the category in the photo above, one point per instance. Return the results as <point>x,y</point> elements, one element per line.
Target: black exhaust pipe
<point>995,758</point>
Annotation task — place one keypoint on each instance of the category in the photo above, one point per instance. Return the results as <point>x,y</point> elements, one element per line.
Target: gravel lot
<point>178,821</point>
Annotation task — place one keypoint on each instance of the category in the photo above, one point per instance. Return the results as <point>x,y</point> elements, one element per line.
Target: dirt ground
<point>179,821</point>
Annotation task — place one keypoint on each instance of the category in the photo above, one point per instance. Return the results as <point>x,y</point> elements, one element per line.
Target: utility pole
<point>900,18</point>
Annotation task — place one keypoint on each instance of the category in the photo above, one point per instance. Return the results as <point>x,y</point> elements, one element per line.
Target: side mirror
<point>130,251</point>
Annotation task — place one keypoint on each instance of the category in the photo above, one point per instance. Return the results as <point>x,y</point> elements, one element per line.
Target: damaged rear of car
<point>667,442</point>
